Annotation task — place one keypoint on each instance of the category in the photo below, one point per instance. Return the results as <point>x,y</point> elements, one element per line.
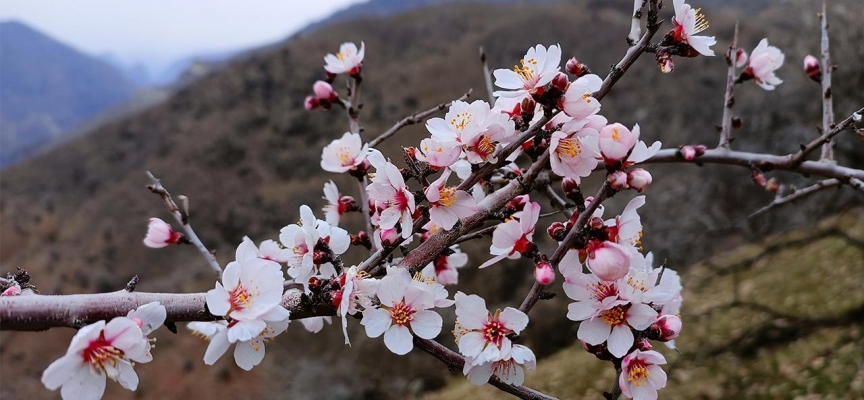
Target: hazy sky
<point>159,32</point>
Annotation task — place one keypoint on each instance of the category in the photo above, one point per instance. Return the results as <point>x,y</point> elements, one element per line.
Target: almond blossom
<point>97,351</point>
<point>764,60</point>
<point>390,193</point>
<point>160,234</point>
<point>438,155</point>
<point>267,250</point>
<point>688,22</point>
<point>641,376</point>
<point>149,317</point>
<point>301,239</point>
<point>404,310</point>
<point>348,59</point>
<point>616,141</point>
<point>509,368</point>
<point>358,289</point>
<point>336,204</point>
<point>537,68</point>
<point>615,327</point>
<point>513,238</point>
<point>627,228</point>
<point>578,101</point>
<point>247,353</point>
<point>574,155</point>
<point>445,266</point>
<point>344,154</point>
<point>446,204</point>
<point>481,335</point>
<point>315,324</point>
<point>608,260</point>
<point>475,127</point>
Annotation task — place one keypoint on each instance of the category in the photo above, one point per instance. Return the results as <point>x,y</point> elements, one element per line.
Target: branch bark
<point>826,137</point>
<point>729,98</point>
<point>415,118</point>
<point>827,97</point>
<point>800,193</point>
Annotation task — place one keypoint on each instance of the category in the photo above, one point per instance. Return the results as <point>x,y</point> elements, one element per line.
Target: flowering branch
<point>415,118</point>
<point>800,193</point>
<point>827,97</point>
<point>729,98</point>
<point>632,53</point>
<point>182,217</point>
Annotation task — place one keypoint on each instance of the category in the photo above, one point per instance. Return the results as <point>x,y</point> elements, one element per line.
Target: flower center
<point>240,298</point>
<point>602,290</point>
<point>616,134</point>
<point>587,97</point>
<point>100,352</point>
<point>447,196</point>
<point>402,314</point>
<point>613,316</point>
<point>494,332</point>
<point>569,147</point>
<point>701,23</point>
<point>527,70</point>
<point>638,284</point>
<point>399,200</point>
<point>344,156</point>
<point>485,146</point>
<point>461,120</point>
<point>639,374</point>
<point>522,245</point>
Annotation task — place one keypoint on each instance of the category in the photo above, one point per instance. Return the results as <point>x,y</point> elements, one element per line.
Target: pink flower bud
<point>570,187</point>
<point>311,103</point>
<point>688,152</point>
<point>616,141</point>
<point>561,82</point>
<point>13,290</point>
<point>812,68</point>
<point>638,179</point>
<point>669,326</point>
<point>160,234</point>
<point>700,149</point>
<point>389,237</point>
<point>758,178</point>
<point>595,223</point>
<point>575,68</point>
<point>610,261</point>
<point>324,91</point>
<point>517,204</point>
<point>557,231</point>
<point>617,180</point>
<point>543,273</point>
<point>347,203</point>
<point>740,58</point>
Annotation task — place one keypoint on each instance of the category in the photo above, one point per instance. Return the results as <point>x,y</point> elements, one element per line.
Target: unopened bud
<point>543,273</point>
<point>557,231</point>
<point>361,239</point>
<point>772,185</point>
<point>517,204</point>
<point>324,91</point>
<point>688,152</point>
<point>812,68</point>
<point>740,58</point>
<point>528,106</point>
<point>596,223</point>
<point>664,61</point>
<point>758,178</point>
<point>571,190</point>
<point>560,82</point>
<point>389,237</point>
<point>638,179</point>
<point>314,284</point>
<point>600,351</point>
<point>643,344</point>
<point>736,122</point>
<point>700,149</point>
<point>575,68</point>
<point>669,326</point>
<point>311,103</point>
<point>617,180</point>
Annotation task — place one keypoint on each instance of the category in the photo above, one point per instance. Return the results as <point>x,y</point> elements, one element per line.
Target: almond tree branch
<point>352,108</point>
<point>729,98</point>
<point>556,200</point>
<point>455,361</point>
<point>827,98</point>
<point>632,53</point>
<point>364,206</point>
<point>39,312</point>
<point>827,136</point>
<point>182,217</point>
<point>487,76</point>
<point>800,193</point>
<point>415,118</point>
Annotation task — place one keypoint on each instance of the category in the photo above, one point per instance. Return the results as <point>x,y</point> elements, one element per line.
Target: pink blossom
<point>446,266</point>
<point>160,234</point>
<point>482,335</point>
<point>508,369</point>
<point>543,273</point>
<point>669,326</point>
<point>812,68</point>
<point>390,193</point>
<point>474,127</point>
<point>537,68</point>
<point>513,238</point>
<point>438,155</point>
<point>324,91</point>
<point>616,141</point>
<point>688,22</point>
<point>615,327</point>
<point>641,376</point>
<point>574,155</point>
<point>345,154</point>
<point>336,204</point>
<point>348,59</point>
<point>578,101</point>
<point>617,180</point>
<point>446,204</point>
<point>638,179</point>
<point>608,260</point>
<point>764,60</point>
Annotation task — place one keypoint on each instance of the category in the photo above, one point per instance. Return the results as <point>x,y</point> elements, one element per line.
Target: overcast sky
<point>159,32</point>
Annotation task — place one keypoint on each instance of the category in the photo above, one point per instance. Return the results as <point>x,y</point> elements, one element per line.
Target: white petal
<point>84,385</point>
<point>61,370</point>
<point>248,354</point>
<point>218,346</point>
<point>594,331</point>
<point>514,319</point>
<point>399,340</point>
<point>620,340</point>
<point>376,321</point>
<point>426,324</point>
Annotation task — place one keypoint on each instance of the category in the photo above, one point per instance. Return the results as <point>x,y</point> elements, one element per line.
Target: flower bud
<point>557,231</point>
<point>361,239</point>
<point>609,261</point>
<point>638,179</point>
<point>528,105</point>
<point>322,256</point>
<point>311,103</point>
<point>543,273</point>
<point>347,203</point>
<point>812,68</point>
<point>688,152</point>
<point>617,180</point>
<point>314,284</point>
<point>13,290</point>
<point>616,141</point>
<point>669,326</point>
<point>160,234</point>
<point>664,61</point>
<point>736,122</point>
<point>740,58</point>
<point>560,82</point>
<point>571,189</point>
<point>575,68</point>
<point>389,237</point>
<point>700,149</point>
<point>596,223</point>
<point>758,178</point>
<point>517,204</point>
<point>600,351</point>
<point>324,91</point>
<point>336,298</point>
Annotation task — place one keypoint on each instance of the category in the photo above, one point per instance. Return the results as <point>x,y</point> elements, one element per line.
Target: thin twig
<point>800,193</point>
<point>352,108</point>
<point>364,206</point>
<point>415,118</point>
<point>632,53</point>
<point>487,76</point>
<point>182,217</point>
<point>826,137</point>
<point>557,201</point>
<point>827,97</point>
<point>729,97</point>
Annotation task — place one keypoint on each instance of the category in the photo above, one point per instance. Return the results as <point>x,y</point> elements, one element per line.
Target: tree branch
<point>800,193</point>
<point>827,136</point>
<point>729,98</point>
<point>827,97</point>
<point>415,118</point>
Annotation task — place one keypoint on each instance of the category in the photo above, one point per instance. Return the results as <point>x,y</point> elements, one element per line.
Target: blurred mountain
<point>48,88</point>
<point>238,142</point>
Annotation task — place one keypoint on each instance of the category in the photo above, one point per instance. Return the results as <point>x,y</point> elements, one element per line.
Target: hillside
<point>240,145</point>
<point>48,88</point>
<point>758,324</point>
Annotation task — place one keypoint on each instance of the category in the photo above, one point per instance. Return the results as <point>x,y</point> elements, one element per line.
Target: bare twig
<point>827,97</point>
<point>632,53</point>
<point>729,97</point>
<point>352,108</point>
<point>800,193</point>
<point>636,22</point>
<point>487,76</point>
<point>455,361</point>
<point>415,118</point>
<point>556,200</point>
<point>827,136</point>
<point>364,206</point>
<point>182,217</point>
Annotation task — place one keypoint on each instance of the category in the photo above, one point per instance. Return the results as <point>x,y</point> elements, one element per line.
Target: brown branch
<point>826,137</point>
<point>827,97</point>
<point>487,76</point>
<point>556,200</point>
<point>729,97</point>
<point>455,362</point>
<point>415,118</point>
<point>764,162</point>
<point>364,206</point>
<point>40,312</point>
<point>798,194</point>
<point>182,217</point>
<point>352,106</point>
<point>615,391</point>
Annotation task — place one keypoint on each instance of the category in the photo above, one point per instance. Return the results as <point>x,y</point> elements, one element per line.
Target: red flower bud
<point>543,273</point>
<point>557,231</point>
<point>311,103</point>
<point>575,68</point>
<point>560,82</point>
<point>812,68</point>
